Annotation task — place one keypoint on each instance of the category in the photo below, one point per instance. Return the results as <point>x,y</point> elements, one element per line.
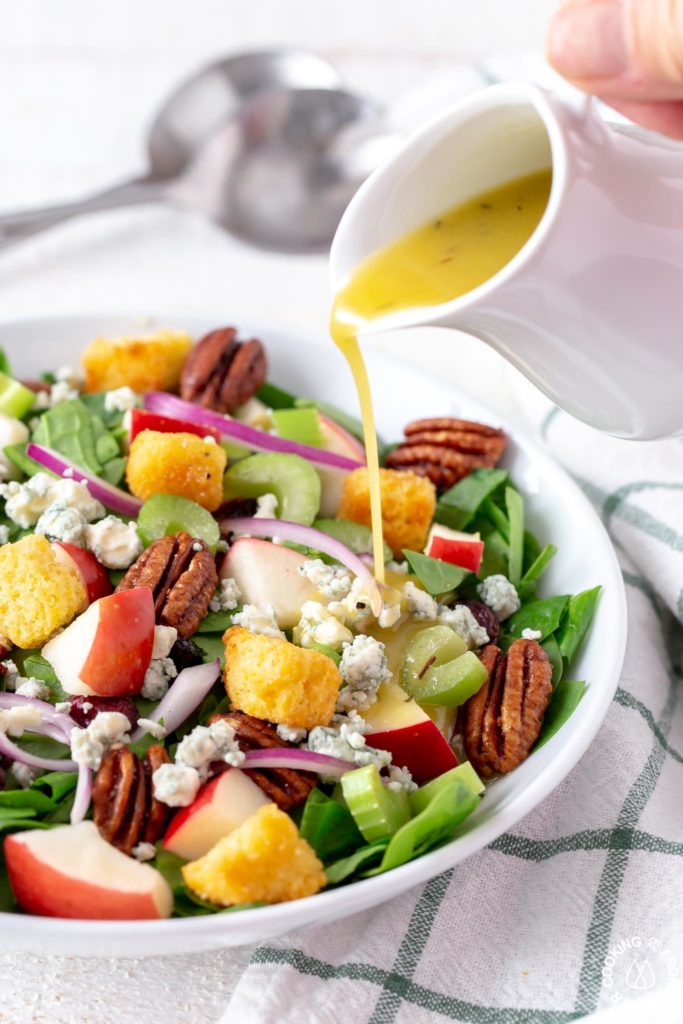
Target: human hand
<point>627,52</point>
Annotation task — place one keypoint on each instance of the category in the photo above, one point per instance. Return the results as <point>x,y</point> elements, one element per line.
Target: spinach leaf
<point>58,784</point>
<point>355,535</point>
<point>552,649</point>
<point>7,901</point>
<point>73,431</point>
<point>329,827</point>
<point>529,580</point>
<point>532,549</point>
<point>16,453</point>
<point>544,615</point>
<point>457,507</point>
<point>575,624</point>
<point>95,402</point>
<point>32,663</point>
<point>25,799</point>
<point>4,363</point>
<point>489,510</point>
<point>436,576</point>
<point>495,560</point>
<point>212,645</point>
<point>563,702</point>
<point>514,504</point>
<point>447,809</point>
<point>344,868</point>
<point>42,746</point>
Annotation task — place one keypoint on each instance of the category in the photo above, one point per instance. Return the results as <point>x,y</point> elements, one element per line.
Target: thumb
<point>628,49</point>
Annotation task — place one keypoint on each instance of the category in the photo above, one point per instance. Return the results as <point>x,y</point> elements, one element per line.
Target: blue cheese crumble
<point>462,621</point>
<point>227,597</point>
<point>345,738</point>
<point>420,604</point>
<point>158,678</point>
<point>31,687</point>
<point>176,785</point>
<point>114,543</point>
<point>333,581</point>
<point>318,625</point>
<point>89,745</point>
<point>500,595</point>
<point>363,668</point>
<point>120,400</point>
<point>291,733</point>
<point>60,523</point>
<point>259,620</point>
<point>400,780</point>
<point>209,743</point>
<point>27,502</point>
<point>266,507</point>
<point>532,634</point>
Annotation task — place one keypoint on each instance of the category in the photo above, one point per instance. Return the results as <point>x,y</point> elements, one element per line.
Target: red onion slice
<point>303,760</point>
<point>283,529</point>
<point>184,695</point>
<point>110,496</point>
<point>11,750</point>
<point>83,794</point>
<point>257,440</point>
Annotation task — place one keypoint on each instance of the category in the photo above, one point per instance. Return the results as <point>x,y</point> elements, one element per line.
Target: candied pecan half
<point>285,786</point>
<point>222,372</point>
<point>503,719</point>
<point>181,573</point>
<point>446,449</point>
<point>125,809</point>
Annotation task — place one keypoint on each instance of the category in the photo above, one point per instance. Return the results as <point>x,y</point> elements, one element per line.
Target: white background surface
<point>78,81</point>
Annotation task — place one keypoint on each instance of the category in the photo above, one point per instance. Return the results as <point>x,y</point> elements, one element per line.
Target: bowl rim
<point>336,902</point>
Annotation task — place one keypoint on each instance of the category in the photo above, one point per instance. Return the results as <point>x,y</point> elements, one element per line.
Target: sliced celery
<point>15,399</point>
<point>301,425</point>
<point>450,685</point>
<point>377,811</point>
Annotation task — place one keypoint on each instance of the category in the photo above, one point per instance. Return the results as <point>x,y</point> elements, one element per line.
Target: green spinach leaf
<point>576,622</point>
<point>458,506</point>
<point>436,576</point>
<point>529,581</point>
<point>329,827</point>
<point>563,702</point>
<point>543,615</point>
<point>514,504</point>
<point>344,868</point>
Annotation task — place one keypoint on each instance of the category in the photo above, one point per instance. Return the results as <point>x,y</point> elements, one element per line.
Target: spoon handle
<point>14,227</point>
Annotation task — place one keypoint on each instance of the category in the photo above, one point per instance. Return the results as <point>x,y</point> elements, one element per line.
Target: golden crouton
<point>408,504</point>
<point>150,362</point>
<point>273,679</point>
<point>38,593</point>
<point>184,464</point>
<point>264,860</point>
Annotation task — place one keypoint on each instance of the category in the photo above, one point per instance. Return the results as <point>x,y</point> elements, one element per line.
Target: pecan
<point>446,450</point>
<point>222,372</point>
<point>503,719</point>
<point>125,809</point>
<point>181,573</point>
<point>285,786</point>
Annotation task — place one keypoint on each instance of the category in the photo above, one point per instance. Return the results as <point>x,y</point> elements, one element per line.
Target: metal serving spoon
<point>265,144</point>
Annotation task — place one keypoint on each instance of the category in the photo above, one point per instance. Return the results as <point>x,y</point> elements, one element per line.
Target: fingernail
<point>588,40</point>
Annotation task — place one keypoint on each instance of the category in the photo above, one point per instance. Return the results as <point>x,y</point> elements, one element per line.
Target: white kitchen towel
<point>581,906</point>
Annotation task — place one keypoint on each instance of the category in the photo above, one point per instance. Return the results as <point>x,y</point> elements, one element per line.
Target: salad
<point>208,699</point>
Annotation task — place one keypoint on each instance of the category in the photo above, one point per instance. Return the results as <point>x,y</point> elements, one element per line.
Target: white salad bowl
<point>557,512</point>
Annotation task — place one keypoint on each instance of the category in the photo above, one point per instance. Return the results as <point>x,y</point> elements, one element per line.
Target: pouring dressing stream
<point>439,261</point>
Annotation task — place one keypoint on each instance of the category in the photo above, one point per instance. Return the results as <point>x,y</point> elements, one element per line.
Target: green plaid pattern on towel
<point>530,930</point>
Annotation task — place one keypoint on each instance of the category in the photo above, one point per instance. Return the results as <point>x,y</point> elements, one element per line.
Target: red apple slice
<point>220,806</point>
<point>456,547</point>
<point>399,725</point>
<point>95,578</point>
<point>106,650</point>
<point>141,419</point>
<point>341,442</point>
<point>267,573</point>
<point>71,871</point>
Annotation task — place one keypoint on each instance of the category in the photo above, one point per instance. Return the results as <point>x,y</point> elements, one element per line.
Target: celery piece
<point>465,772</point>
<point>454,802</point>
<point>16,453</point>
<point>431,646</point>
<point>164,514</point>
<point>299,425</point>
<point>514,504</point>
<point>15,399</point>
<point>377,811</point>
<point>292,480</point>
<point>450,685</point>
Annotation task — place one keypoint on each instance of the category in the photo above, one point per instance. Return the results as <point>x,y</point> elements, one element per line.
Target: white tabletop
<point>77,84</point>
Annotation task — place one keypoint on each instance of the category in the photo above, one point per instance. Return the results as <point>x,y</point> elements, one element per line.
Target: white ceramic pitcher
<point>591,308</point>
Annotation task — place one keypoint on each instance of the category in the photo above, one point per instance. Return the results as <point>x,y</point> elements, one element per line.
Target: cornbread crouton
<point>264,860</point>
<point>273,679</point>
<point>38,593</point>
<point>149,362</point>
<point>408,504</point>
<point>180,463</point>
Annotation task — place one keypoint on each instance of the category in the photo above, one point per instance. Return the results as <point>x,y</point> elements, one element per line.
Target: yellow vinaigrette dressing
<point>436,263</point>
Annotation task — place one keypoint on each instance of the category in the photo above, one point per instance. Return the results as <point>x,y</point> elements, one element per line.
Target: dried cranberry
<point>486,618</point>
<point>237,507</point>
<point>185,653</point>
<point>83,715</point>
